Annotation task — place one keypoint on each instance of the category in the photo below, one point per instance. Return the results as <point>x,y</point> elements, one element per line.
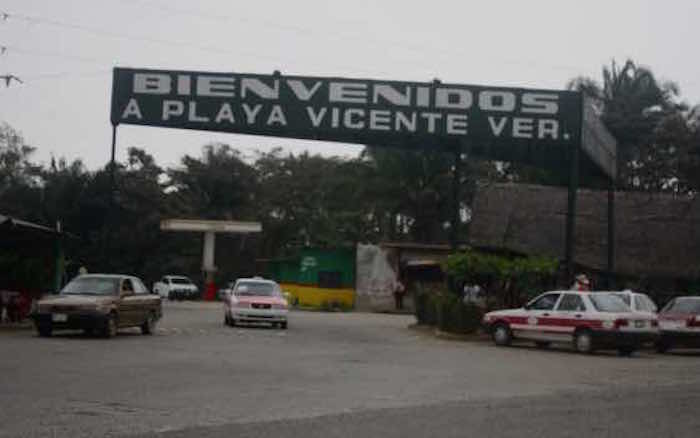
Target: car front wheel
<point>502,334</point>
<point>110,328</point>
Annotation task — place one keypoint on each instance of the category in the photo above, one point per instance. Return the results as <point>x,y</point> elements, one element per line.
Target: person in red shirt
<point>582,283</point>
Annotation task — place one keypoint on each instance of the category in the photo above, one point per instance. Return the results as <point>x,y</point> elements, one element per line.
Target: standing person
<point>12,309</point>
<point>582,283</point>
<point>2,307</point>
<point>399,291</point>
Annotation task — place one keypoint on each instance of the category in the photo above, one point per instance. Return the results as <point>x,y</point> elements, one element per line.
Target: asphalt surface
<point>331,375</point>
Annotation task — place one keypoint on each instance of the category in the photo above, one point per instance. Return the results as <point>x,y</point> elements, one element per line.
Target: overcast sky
<point>64,52</point>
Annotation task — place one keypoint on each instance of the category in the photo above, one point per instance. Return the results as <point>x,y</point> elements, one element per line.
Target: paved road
<point>331,375</point>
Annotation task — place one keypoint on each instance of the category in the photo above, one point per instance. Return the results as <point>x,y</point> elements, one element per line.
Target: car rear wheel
<point>502,334</point>
<point>583,342</point>
<point>44,330</point>
<point>626,351</point>
<point>662,346</point>
<point>149,325</point>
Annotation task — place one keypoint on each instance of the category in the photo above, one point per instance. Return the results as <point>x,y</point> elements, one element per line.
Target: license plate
<point>59,317</point>
<point>640,324</point>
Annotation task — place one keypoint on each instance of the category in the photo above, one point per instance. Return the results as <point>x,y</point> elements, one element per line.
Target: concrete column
<point>208,265</point>
<point>208,252</point>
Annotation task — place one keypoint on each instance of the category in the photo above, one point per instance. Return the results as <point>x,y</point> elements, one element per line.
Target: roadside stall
<point>31,264</point>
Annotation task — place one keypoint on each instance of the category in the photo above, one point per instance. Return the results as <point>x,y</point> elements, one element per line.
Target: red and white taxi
<point>588,320</point>
<point>679,323</point>
<point>255,300</point>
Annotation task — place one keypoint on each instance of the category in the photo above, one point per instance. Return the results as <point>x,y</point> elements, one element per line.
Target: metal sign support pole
<point>112,164</point>
<point>611,234</point>
<point>571,203</point>
<point>456,183</point>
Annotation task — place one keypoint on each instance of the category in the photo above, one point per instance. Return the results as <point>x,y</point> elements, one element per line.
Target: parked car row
<point>176,287</point>
<point>599,320</point>
<point>103,303</point>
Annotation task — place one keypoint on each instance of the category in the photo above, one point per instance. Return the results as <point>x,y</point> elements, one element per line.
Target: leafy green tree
<point>219,185</point>
<point>312,200</point>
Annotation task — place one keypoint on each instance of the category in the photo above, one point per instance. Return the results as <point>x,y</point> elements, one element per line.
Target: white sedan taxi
<point>587,320</point>
<point>255,300</point>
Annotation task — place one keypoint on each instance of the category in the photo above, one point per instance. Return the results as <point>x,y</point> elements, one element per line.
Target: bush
<point>509,281</point>
<point>425,306</point>
<point>447,312</point>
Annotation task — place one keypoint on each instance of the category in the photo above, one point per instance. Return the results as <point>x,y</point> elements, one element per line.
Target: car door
<point>568,315</point>
<point>144,301</point>
<point>540,318</point>
<point>128,304</point>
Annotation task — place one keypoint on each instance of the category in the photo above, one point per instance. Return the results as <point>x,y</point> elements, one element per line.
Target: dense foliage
<point>509,280</point>
<point>447,312</point>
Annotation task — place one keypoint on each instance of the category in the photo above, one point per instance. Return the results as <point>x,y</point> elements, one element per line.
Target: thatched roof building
<point>656,235</point>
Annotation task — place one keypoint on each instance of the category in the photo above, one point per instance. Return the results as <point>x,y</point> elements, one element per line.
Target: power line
<point>14,50</point>
<point>137,38</point>
<point>9,78</point>
<point>298,30</point>
<point>312,33</point>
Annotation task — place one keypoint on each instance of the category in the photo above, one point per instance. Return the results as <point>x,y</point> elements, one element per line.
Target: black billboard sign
<point>502,123</point>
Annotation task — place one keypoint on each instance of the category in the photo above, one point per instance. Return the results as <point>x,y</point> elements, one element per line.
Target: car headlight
<point>103,308</point>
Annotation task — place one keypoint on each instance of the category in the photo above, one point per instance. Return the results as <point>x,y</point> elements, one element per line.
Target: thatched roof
<point>656,235</point>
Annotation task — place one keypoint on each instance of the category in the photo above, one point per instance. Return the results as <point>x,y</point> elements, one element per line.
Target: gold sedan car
<point>99,303</point>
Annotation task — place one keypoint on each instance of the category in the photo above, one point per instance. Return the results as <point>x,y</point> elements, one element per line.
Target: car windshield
<point>180,280</point>
<point>608,303</point>
<point>255,288</point>
<point>92,286</point>
<point>684,305</point>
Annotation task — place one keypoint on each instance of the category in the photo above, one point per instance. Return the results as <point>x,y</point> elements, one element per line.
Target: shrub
<point>447,312</point>
<point>425,306</point>
<point>509,280</point>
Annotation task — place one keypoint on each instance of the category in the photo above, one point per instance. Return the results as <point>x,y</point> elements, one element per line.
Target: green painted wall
<point>305,268</point>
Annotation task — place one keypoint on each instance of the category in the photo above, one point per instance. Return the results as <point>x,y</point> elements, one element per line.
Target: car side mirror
<point>527,307</point>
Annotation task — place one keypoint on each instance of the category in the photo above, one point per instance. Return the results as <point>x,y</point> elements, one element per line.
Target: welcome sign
<point>347,110</point>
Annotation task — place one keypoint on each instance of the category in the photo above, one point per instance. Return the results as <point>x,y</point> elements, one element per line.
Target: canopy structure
<point>24,240</point>
<point>210,229</point>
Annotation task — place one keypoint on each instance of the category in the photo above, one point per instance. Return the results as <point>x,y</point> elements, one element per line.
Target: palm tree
<point>632,103</point>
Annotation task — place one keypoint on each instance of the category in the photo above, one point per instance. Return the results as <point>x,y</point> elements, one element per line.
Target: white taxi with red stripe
<point>588,320</point>
<point>679,322</point>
